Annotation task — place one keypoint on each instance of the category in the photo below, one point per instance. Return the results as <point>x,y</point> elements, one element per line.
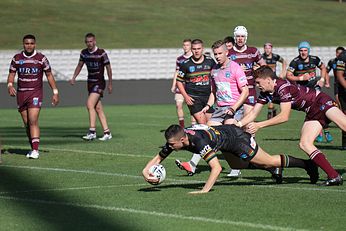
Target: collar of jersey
<point>33,54</point>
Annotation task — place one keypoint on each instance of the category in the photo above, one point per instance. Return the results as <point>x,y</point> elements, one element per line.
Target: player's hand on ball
<point>152,180</point>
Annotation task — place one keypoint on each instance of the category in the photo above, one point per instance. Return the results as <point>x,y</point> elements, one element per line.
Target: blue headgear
<point>304,44</point>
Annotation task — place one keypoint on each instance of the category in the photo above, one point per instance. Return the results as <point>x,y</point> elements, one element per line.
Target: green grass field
<point>78,185</point>
<point>165,23</point>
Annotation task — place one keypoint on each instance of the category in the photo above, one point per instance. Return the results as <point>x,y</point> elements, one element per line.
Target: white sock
<point>194,161</point>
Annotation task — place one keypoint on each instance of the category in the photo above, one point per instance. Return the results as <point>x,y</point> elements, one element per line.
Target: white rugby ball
<point>159,172</point>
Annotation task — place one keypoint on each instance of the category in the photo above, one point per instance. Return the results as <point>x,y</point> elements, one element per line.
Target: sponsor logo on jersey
<point>27,70</point>
<point>227,74</point>
<point>35,101</point>
<point>207,67</point>
<point>189,131</point>
<point>206,150</point>
<point>300,67</point>
<point>322,107</point>
<point>251,99</point>
<point>253,143</point>
<point>192,68</point>
<point>233,57</point>
<point>284,96</point>
<point>21,62</point>
<point>329,103</point>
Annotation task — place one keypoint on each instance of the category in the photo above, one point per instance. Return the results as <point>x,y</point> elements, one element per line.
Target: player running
<point>271,60</point>
<point>30,66</point>
<point>231,141</point>
<point>179,98</point>
<point>302,70</point>
<point>96,59</point>
<point>320,110</point>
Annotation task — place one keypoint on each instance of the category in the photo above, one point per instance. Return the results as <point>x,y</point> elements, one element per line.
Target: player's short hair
<point>197,41</point>
<point>187,40</point>
<point>29,36</point>
<point>264,72</point>
<point>217,44</point>
<point>340,49</point>
<point>229,39</point>
<point>174,131</point>
<point>90,35</point>
<point>268,44</point>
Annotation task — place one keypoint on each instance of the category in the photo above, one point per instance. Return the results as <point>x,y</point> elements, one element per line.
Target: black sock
<point>288,161</point>
<point>343,139</point>
<point>253,166</point>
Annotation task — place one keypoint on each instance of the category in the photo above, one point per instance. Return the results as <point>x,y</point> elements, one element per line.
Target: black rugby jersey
<point>196,76</point>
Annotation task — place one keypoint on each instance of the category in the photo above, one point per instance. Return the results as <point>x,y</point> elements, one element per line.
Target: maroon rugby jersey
<point>181,59</point>
<point>246,60</point>
<point>95,62</point>
<point>300,96</point>
<point>30,70</point>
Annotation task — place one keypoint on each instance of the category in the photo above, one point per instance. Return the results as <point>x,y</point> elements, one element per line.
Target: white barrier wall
<point>130,64</point>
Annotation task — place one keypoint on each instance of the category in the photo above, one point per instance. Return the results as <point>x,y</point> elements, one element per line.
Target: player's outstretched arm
<point>76,72</point>
<point>282,117</point>
<point>251,116</point>
<point>10,80</point>
<point>156,160</point>
<point>52,84</point>
<point>214,174</point>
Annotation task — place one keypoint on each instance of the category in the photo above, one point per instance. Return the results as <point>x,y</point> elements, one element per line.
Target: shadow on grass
<point>225,181</point>
<point>282,139</point>
<point>57,211</point>
<point>329,147</point>
<point>49,135</point>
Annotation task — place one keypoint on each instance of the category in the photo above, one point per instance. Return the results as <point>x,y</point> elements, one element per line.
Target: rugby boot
<point>34,154</point>
<point>333,181</point>
<point>28,154</point>
<point>89,136</point>
<point>234,173</point>
<point>277,175</point>
<point>312,171</point>
<point>185,166</point>
<point>329,137</point>
<point>106,137</point>
<point>319,138</point>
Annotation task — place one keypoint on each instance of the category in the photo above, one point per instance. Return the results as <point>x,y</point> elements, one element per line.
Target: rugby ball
<point>159,172</point>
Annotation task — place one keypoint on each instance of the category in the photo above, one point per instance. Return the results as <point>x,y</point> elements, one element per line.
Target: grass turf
<point>149,23</point>
<point>98,185</point>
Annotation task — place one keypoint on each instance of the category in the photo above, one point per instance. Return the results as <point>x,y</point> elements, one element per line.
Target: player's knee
<point>98,109</point>
<point>303,144</point>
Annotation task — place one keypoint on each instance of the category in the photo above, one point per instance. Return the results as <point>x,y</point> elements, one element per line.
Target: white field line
<point>74,188</point>
<point>155,214</point>
<point>90,152</point>
<point>174,181</point>
<point>108,153</point>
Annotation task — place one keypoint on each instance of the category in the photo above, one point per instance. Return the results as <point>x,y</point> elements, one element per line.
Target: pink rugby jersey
<point>228,82</point>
